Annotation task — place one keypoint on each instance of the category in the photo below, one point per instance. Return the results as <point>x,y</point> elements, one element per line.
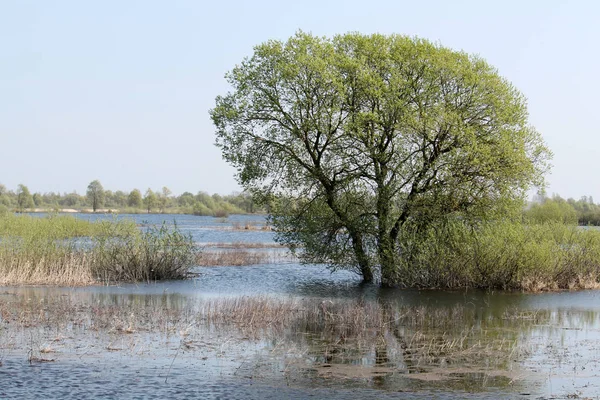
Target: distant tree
<point>207,200</point>
<point>164,198</point>
<point>24,198</point>
<point>150,200</point>
<point>51,198</point>
<point>4,198</point>
<point>95,194</point>
<point>555,209</point>
<point>37,199</point>
<point>120,199</point>
<point>135,199</point>
<point>70,200</point>
<point>186,199</point>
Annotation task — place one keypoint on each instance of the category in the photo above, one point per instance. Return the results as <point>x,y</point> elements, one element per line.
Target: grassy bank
<point>64,250</point>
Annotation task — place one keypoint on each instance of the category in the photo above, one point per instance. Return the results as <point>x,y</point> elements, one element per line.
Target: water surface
<point>162,339</point>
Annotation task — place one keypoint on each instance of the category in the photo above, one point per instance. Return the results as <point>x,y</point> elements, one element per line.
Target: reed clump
<point>64,250</point>
<point>501,255</point>
<point>157,253</point>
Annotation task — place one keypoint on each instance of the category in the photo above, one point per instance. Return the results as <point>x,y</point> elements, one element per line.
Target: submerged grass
<point>412,339</point>
<point>64,250</point>
<point>240,257</point>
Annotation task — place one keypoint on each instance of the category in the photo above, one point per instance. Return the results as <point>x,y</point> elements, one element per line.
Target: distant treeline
<point>98,199</point>
<point>546,209</point>
<point>542,209</point>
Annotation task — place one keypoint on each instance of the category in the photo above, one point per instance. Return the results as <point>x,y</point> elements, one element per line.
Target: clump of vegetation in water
<point>501,255</point>
<point>70,251</point>
<point>158,253</point>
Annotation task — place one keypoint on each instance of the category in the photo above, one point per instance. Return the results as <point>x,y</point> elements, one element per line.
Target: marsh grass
<point>56,226</point>
<point>501,255</point>
<point>340,332</point>
<point>158,253</point>
<point>64,250</point>
<point>318,332</point>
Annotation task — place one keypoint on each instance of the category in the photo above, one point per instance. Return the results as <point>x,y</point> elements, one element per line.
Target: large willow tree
<point>361,136</point>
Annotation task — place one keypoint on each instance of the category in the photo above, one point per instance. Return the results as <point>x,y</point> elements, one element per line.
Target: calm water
<point>203,229</point>
<point>469,344</point>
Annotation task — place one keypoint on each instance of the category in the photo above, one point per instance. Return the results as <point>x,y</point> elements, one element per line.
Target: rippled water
<point>156,341</point>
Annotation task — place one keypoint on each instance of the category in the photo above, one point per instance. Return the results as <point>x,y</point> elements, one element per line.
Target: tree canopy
<point>24,198</point>
<point>150,200</point>
<point>135,198</point>
<point>95,194</point>
<point>359,137</point>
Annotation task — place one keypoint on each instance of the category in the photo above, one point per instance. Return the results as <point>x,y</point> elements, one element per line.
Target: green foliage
<point>159,253</point>
<point>501,255</point>
<point>95,194</point>
<point>588,213</point>
<point>186,199</point>
<point>164,198</point>
<point>202,210</point>
<point>56,227</point>
<point>551,210</point>
<point>135,199</point>
<point>364,135</point>
<point>215,205</point>
<point>150,200</point>
<point>121,202</point>
<point>24,198</point>
<point>68,250</point>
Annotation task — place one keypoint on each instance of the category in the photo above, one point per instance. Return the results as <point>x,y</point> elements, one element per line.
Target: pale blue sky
<point>120,90</point>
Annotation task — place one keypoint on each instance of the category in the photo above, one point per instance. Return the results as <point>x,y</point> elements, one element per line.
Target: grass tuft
<point>64,250</point>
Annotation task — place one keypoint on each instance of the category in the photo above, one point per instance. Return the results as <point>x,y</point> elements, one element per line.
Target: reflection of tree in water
<point>379,343</point>
<point>385,342</point>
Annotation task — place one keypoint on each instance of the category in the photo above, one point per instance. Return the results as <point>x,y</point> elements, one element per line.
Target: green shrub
<point>501,255</point>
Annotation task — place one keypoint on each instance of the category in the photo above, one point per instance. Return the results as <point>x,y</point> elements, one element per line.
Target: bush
<point>159,253</point>
<point>501,255</point>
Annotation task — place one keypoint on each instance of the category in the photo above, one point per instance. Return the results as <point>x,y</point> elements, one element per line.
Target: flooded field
<point>282,330</point>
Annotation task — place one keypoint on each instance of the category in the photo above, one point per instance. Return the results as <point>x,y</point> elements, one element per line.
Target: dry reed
<point>320,331</point>
<point>52,251</point>
<point>238,257</point>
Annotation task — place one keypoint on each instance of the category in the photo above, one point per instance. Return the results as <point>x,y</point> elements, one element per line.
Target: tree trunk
<point>386,243</point>
<point>387,259</point>
<point>361,257</point>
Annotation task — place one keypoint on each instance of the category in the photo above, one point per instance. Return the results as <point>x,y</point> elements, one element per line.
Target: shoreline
<point>117,211</point>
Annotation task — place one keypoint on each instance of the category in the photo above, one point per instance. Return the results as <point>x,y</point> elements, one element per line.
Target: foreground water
<point>292,331</point>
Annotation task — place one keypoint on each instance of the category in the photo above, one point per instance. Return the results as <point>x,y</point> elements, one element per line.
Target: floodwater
<point>292,331</point>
